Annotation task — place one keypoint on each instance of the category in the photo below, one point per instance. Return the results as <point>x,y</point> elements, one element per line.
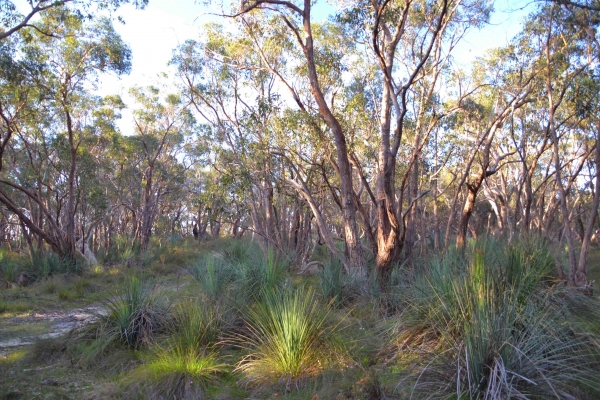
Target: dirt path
<point>25,330</point>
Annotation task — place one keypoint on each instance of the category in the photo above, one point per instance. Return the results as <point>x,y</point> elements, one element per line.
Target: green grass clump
<point>67,294</point>
<point>136,314</point>
<point>339,287</point>
<point>176,373</point>
<point>331,281</point>
<point>53,284</point>
<point>196,325</point>
<point>238,251</point>
<point>486,325</point>
<point>43,265</point>
<point>287,340</point>
<point>9,271</point>
<point>213,275</point>
<point>14,306</point>
<point>261,274</point>
<point>189,363</point>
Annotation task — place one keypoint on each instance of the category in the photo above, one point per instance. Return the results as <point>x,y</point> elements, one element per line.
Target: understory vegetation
<point>228,320</point>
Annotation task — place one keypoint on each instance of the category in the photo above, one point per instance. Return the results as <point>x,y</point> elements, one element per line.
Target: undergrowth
<point>485,325</point>
<point>287,342</point>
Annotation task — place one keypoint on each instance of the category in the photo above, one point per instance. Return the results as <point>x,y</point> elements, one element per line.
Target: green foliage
<point>189,363</point>
<point>9,270</point>
<point>238,251</point>
<point>196,324</point>
<point>287,340</point>
<point>345,289</point>
<point>485,328</point>
<point>213,275</point>
<point>17,306</point>
<point>176,373</point>
<point>43,265</point>
<point>135,315</point>
<point>331,280</point>
<point>264,273</point>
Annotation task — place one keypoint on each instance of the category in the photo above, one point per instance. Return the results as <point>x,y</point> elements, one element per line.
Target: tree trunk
<point>580,275</point>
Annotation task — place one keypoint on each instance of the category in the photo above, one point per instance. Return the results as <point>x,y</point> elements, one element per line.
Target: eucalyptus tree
<point>230,89</point>
<point>506,85</point>
<point>566,66</point>
<point>162,125</point>
<point>47,106</point>
<point>408,43</point>
<point>549,135</point>
<point>13,21</point>
<point>584,15</point>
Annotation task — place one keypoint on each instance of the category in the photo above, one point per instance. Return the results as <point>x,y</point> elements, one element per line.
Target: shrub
<point>484,327</point>
<point>136,314</point>
<point>287,340</point>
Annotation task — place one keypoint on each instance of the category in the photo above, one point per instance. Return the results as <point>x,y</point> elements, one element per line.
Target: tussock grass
<point>135,315</point>
<point>340,288</point>
<point>287,341</point>
<point>331,281</point>
<point>260,274</point>
<point>175,373</point>
<point>45,264</point>
<point>485,326</point>
<point>196,324</point>
<point>238,251</point>
<point>213,275</point>
<point>14,306</point>
<point>9,270</point>
<point>187,365</point>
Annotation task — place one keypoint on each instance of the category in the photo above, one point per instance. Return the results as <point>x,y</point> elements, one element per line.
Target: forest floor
<point>36,322</point>
<point>33,323</point>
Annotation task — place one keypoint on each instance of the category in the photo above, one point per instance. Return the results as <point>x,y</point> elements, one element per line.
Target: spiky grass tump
<point>287,340</point>
<point>177,372</point>
<point>136,314</point>
<point>486,325</point>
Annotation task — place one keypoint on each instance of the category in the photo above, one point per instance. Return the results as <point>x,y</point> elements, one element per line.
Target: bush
<point>135,315</point>
<point>484,327</point>
<point>287,340</point>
